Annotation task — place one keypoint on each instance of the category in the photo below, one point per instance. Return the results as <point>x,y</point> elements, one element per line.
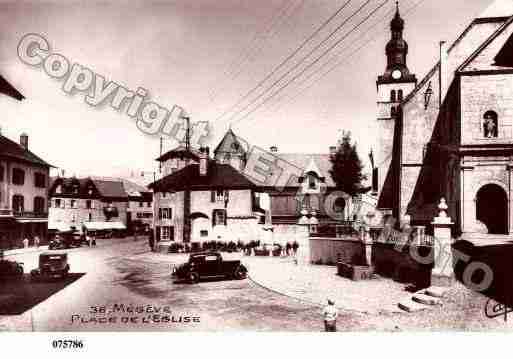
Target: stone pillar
<point>468,205</point>
<point>442,273</point>
<point>367,245</point>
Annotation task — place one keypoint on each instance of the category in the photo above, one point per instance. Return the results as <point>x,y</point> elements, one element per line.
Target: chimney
<point>444,73</point>
<point>24,140</point>
<point>273,149</point>
<point>203,162</point>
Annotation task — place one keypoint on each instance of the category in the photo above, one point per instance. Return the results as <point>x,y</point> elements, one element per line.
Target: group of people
<point>26,242</point>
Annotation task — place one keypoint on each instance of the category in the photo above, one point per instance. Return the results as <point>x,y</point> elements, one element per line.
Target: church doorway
<point>492,208</point>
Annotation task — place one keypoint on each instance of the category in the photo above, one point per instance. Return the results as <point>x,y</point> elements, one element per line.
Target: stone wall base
<point>442,280</point>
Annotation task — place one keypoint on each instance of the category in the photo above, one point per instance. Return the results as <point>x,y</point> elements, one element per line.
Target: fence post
<point>442,273</point>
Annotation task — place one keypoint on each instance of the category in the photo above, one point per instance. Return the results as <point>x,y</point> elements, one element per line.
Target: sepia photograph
<point>243,166</point>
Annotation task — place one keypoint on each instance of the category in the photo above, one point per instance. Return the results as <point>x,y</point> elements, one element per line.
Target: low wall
<point>401,263</point>
<point>388,261</point>
<point>329,250</point>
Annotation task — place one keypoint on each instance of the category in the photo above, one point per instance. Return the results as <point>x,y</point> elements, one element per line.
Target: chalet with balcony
<point>78,204</point>
<point>23,187</point>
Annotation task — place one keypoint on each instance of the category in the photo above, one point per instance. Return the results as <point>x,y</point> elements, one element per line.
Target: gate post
<point>442,273</point>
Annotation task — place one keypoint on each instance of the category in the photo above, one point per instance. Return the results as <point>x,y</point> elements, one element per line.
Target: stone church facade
<point>452,136</point>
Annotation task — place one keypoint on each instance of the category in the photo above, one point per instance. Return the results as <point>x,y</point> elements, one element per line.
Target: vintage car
<point>51,265</point>
<point>206,265</point>
<point>10,269</point>
<point>66,241</point>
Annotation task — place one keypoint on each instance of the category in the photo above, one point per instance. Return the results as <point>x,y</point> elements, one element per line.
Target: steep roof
<point>230,144</point>
<point>221,176</point>
<point>13,150</point>
<point>307,160</point>
<point>7,89</point>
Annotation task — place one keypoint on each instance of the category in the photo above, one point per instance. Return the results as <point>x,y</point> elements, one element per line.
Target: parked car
<point>209,264</point>
<point>51,265</point>
<point>65,241</point>
<point>11,269</point>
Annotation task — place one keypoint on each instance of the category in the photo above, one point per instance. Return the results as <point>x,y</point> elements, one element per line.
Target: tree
<point>346,167</point>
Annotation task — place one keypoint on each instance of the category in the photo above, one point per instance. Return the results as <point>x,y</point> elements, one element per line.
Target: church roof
<point>7,89</point>
<point>499,8</point>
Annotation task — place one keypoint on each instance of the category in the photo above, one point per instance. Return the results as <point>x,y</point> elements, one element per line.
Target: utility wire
<point>339,63</point>
<point>262,35</point>
<point>303,44</point>
<point>338,42</point>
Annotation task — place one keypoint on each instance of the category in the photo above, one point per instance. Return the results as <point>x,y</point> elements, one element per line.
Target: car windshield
<point>52,259</point>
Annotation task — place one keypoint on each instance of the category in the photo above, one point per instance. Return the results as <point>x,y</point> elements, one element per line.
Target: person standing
<point>151,241</point>
<point>330,314</point>
<point>25,243</point>
<point>36,241</point>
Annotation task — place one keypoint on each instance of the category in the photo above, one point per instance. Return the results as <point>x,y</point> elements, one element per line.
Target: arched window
<point>18,203</point>
<point>39,205</point>
<point>392,96</point>
<point>490,124</point>
<point>400,95</point>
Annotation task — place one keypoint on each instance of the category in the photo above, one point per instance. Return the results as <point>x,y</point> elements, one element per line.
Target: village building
<point>87,204</point>
<point>452,136</point>
<point>228,204</point>
<point>140,207</point>
<point>204,200</point>
<point>23,188</point>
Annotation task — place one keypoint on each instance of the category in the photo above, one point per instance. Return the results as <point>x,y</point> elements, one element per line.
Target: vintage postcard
<point>256,166</point>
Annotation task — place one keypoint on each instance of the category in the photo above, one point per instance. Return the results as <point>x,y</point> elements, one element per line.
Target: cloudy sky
<point>205,55</point>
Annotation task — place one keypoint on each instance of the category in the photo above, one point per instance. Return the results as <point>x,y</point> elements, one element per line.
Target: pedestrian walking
<point>288,247</point>
<point>88,239</point>
<point>36,241</point>
<point>93,242</point>
<point>330,314</point>
<point>151,241</point>
<point>295,246</point>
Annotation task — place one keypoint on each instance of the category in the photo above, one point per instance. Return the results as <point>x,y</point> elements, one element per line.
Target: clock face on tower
<point>397,74</point>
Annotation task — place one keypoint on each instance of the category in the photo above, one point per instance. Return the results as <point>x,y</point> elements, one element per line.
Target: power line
<point>303,44</point>
<point>339,63</point>
<point>259,36</point>
<point>309,65</point>
<point>258,51</point>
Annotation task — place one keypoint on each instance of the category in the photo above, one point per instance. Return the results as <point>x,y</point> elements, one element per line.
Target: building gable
<point>484,56</point>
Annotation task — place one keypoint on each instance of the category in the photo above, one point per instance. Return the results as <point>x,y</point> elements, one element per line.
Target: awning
<point>58,226</point>
<point>98,226</point>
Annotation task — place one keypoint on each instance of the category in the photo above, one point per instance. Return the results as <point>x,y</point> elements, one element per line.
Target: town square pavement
<point>121,278</point>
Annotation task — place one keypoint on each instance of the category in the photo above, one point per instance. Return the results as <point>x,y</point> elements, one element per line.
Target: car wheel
<point>193,277</point>
<point>240,273</point>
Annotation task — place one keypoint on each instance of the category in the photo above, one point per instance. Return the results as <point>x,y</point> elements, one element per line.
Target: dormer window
<point>490,124</point>
<point>392,96</point>
<point>400,95</point>
<point>312,183</point>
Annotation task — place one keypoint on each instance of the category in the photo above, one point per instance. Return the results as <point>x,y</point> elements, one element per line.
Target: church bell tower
<point>392,88</point>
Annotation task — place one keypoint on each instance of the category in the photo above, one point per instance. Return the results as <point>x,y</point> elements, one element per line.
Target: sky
<point>204,56</point>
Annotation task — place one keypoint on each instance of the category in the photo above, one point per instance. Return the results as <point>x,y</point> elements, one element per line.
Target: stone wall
<point>329,250</point>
